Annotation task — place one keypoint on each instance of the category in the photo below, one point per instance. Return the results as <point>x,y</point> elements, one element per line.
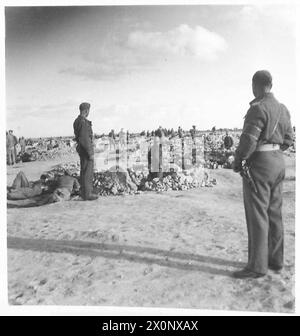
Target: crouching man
<point>65,186</point>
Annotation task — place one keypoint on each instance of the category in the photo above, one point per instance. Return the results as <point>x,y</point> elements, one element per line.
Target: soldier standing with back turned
<point>85,148</point>
<point>267,131</point>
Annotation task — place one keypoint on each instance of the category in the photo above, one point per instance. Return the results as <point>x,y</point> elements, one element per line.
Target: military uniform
<point>64,187</point>
<point>228,142</point>
<point>85,148</point>
<point>10,146</point>
<point>267,130</point>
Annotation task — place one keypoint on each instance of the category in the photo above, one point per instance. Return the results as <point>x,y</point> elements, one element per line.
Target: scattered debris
<point>124,182</point>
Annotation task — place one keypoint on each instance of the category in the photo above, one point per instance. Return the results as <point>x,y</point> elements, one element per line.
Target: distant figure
<point>112,139</point>
<point>193,132</point>
<point>159,132</point>
<point>122,138</point>
<point>17,149</point>
<point>23,145</point>
<point>11,143</point>
<point>85,148</point>
<point>16,142</point>
<point>180,132</point>
<point>228,141</point>
<point>50,145</point>
<point>7,147</point>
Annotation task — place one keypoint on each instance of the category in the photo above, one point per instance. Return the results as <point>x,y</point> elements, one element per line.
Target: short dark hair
<point>84,107</point>
<point>262,78</point>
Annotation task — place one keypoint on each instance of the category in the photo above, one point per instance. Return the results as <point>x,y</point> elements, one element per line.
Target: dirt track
<point>175,249</point>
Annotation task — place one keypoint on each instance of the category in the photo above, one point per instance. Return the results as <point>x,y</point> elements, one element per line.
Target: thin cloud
<point>181,41</point>
<point>275,16</point>
<point>48,110</point>
<point>105,68</point>
<point>143,51</point>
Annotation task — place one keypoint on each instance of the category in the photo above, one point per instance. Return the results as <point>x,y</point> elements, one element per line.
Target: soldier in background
<point>122,138</point>
<point>267,131</point>
<point>23,145</point>
<point>228,141</point>
<point>85,148</point>
<point>10,145</point>
<point>7,148</point>
<point>193,132</point>
<point>172,133</point>
<point>112,139</point>
<point>15,145</point>
<point>180,132</point>
<point>159,132</point>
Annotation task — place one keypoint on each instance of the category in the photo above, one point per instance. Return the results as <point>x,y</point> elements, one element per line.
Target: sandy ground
<point>173,249</point>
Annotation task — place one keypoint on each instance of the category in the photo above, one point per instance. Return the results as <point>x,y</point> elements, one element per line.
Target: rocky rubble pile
<point>113,183</point>
<point>73,168</point>
<point>124,182</point>
<point>38,154</point>
<point>177,181</point>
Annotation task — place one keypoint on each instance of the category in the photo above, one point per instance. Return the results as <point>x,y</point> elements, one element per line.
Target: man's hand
<point>237,165</point>
<point>91,157</point>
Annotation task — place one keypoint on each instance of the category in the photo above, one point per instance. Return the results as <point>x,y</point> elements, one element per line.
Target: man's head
<point>261,83</point>
<point>10,131</point>
<point>84,109</point>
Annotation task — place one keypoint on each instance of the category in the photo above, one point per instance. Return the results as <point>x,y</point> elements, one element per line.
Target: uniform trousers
<point>86,175</point>
<point>11,156</point>
<point>263,211</point>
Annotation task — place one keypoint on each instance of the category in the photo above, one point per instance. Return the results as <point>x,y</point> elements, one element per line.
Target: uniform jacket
<point>10,141</point>
<point>266,122</point>
<point>193,133</point>
<point>112,135</point>
<point>228,142</point>
<point>84,136</point>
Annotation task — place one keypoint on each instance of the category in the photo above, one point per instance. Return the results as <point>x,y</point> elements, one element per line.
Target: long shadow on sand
<point>137,254</point>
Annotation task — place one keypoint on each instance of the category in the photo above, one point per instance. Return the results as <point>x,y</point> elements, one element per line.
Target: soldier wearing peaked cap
<point>85,148</point>
<point>267,131</point>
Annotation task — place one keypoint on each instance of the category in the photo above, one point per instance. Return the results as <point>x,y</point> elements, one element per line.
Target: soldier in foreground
<point>267,131</point>
<point>85,148</point>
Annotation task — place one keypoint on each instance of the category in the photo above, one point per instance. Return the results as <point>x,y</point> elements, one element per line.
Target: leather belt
<point>267,147</point>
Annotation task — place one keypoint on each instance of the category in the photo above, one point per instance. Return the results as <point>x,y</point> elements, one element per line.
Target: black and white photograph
<point>150,155</point>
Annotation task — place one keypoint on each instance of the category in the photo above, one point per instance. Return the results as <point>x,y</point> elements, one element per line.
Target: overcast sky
<point>143,66</point>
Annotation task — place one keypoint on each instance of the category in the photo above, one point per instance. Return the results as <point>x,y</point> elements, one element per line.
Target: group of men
<point>43,191</point>
<point>13,147</point>
<point>112,139</point>
<point>267,131</point>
